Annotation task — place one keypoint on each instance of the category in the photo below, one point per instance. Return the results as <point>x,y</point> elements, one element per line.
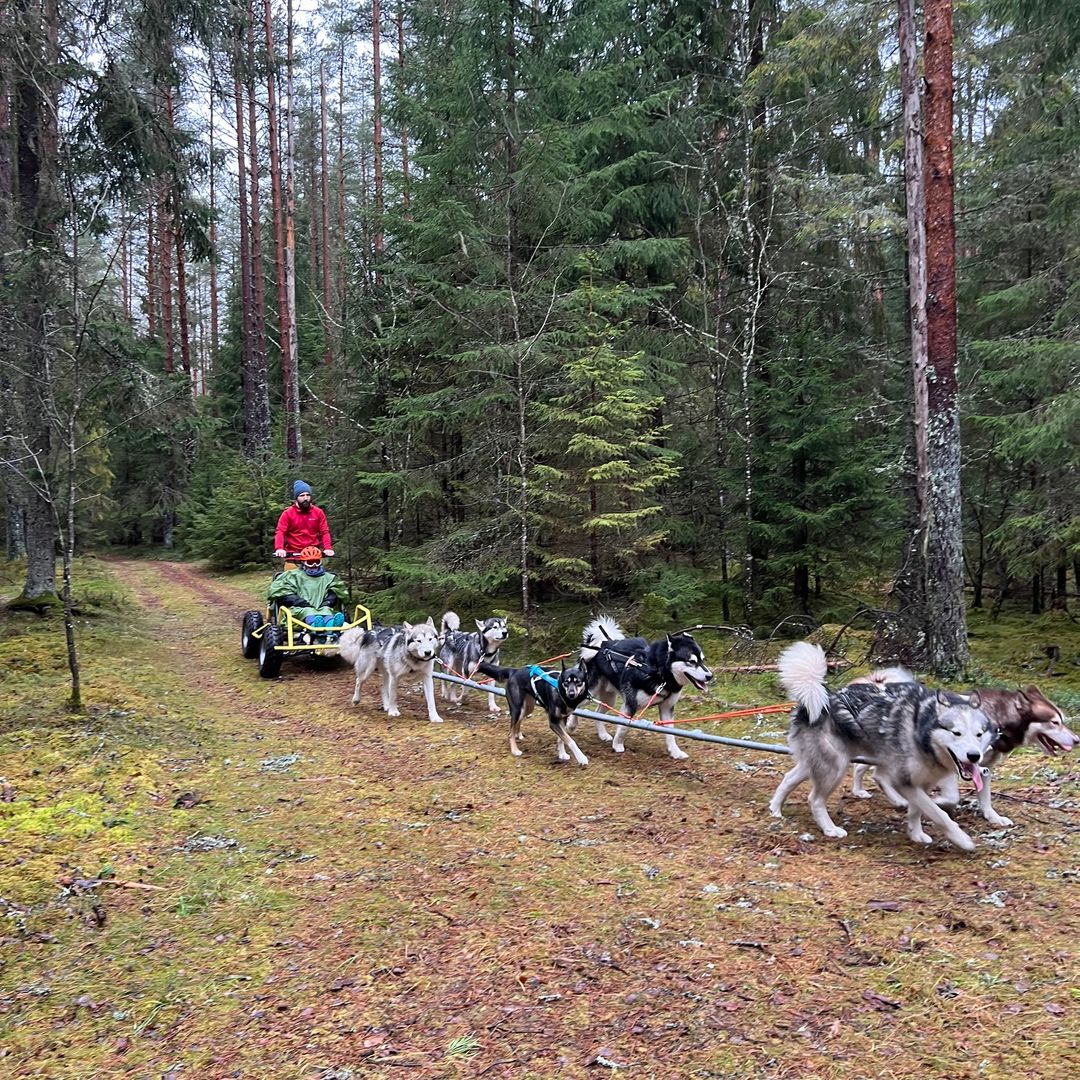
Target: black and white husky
<point>559,694</point>
<point>462,651</point>
<point>399,652</point>
<point>643,673</point>
<point>914,736</point>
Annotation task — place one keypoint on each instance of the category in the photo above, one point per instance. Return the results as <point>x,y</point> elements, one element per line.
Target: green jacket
<point>311,590</point>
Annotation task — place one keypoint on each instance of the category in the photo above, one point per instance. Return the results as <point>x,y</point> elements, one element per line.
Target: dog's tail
<point>349,643</point>
<point>803,668</point>
<point>499,674</point>
<point>450,621</point>
<point>883,677</point>
<point>597,632</point>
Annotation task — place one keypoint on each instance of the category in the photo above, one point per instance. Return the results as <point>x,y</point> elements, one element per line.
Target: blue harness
<point>536,672</point>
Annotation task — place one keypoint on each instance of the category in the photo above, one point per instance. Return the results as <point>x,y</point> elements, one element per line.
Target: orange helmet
<point>310,554</point>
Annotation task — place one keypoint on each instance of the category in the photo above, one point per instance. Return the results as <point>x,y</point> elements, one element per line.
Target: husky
<point>914,735</point>
<point>462,652</point>
<point>1020,718</point>
<point>559,694</point>
<point>643,672</point>
<point>400,652</point>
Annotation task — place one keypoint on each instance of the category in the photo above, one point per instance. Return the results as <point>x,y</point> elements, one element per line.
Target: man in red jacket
<point>302,525</point>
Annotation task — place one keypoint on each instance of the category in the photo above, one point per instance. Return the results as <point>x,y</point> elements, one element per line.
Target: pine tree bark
<point>258,267</point>
<point>164,238</point>
<point>151,263</point>
<point>255,390</point>
<point>404,129</point>
<point>342,247</point>
<point>913,584</point>
<point>294,443</point>
<point>756,213</point>
<point>946,628</point>
<point>324,220</point>
<point>34,108</point>
<point>290,394</point>
<point>213,242</point>
<point>376,109</point>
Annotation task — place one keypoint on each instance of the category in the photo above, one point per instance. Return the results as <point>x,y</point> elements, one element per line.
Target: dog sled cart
<point>278,632</point>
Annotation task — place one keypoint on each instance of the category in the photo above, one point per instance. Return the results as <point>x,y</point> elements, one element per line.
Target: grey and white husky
<point>643,673</point>
<point>463,651</point>
<point>916,737</point>
<point>1020,718</point>
<point>400,652</point>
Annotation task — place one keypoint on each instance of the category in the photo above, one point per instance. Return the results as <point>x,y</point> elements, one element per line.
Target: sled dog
<point>915,737</point>
<point>399,652</point>
<point>557,693</point>
<point>1019,717</point>
<point>463,650</point>
<point>642,672</point>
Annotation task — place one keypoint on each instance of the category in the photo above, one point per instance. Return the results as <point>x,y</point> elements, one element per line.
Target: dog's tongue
<point>971,772</point>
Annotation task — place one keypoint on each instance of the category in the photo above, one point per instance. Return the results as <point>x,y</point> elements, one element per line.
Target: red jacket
<point>296,531</point>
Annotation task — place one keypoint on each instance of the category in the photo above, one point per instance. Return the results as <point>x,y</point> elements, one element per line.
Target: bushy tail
<point>890,675</point>
<point>803,668</point>
<point>596,633</point>
<point>499,674</point>
<point>450,621</point>
<point>349,643</point>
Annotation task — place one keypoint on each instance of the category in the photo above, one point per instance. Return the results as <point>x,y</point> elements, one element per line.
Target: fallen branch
<point>86,884</point>
<point>757,669</point>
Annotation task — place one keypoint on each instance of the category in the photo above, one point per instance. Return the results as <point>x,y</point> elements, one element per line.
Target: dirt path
<point>356,896</point>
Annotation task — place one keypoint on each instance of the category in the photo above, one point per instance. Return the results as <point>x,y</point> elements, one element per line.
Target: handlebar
<point>295,555</point>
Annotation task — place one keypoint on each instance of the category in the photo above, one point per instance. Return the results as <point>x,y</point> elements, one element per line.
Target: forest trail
<point>342,894</point>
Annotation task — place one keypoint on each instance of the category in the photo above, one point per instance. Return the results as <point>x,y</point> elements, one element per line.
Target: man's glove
<point>280,553</point>
<point>328,551</point>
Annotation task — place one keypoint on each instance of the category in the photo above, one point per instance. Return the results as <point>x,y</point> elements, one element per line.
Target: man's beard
<point>304,507</point>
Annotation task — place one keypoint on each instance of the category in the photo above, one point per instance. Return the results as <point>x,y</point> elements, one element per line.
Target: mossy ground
<point>342,894</point>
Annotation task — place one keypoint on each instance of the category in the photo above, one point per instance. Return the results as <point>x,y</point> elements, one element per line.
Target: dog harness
<point>538,674</point>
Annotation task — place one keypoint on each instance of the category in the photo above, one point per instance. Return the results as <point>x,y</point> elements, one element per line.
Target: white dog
<point>400,652</point>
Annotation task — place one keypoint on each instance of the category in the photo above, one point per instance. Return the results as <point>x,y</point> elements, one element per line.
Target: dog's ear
<point>431,622</point>
<point>479,625</point>
<point>670,647</point>
<point>1033,692</point>
<point>975,699</point>
<point>943,697</point>
<point>406,626</point>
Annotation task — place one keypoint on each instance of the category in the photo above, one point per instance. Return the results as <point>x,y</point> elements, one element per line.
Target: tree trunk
<point>756,215</point>
<point>946,628</point>
<point>801,577</point>
<point>913,587</point>
<point>376,110</point>
<point>258,269</point>
<point>290,394</point>
<point>213,236</point>
<point>165,238</point>
<point>293,443</point>
<point>342,246</point>
<point>35,105</point>
<point>404,129</point>
<point>151,264</point>
<point>67,537</point>
<point>255,391</point>
<point>324,215</point>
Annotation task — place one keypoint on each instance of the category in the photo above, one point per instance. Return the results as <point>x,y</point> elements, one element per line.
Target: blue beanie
<point>299,488</point>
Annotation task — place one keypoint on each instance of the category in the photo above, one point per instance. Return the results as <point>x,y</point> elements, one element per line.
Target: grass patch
<point>405,897</point>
